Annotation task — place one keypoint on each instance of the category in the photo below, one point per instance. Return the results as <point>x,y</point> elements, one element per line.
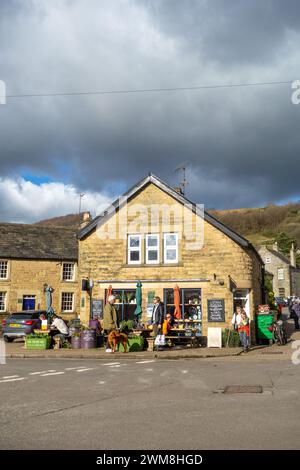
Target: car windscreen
<point>21,316</point>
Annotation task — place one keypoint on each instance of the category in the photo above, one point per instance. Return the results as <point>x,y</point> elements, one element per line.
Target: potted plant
<point>76,340</point>
<point>37,341</point>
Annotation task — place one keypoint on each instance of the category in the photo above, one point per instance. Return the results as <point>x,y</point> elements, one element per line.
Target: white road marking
<point>83,370</point>
<point>74,368</point>
<point>102,382</point>
<point>111,364</point>
<point>116,365</point>
<point>184,371</point>
<point>42,372</point>
<point>149,370</point>
<point>145,362</point>
<point>10,376</point>
<point>12,380</point>
<point>52,373</point>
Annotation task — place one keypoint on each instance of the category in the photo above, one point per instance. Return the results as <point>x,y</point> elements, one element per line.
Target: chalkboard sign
<point>97,306</point>
<point>216,310</point>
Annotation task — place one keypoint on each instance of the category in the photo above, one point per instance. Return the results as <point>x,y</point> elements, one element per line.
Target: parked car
<point>20,324</point>
<point>280,301</point>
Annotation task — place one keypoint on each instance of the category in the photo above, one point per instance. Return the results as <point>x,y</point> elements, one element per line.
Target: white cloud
<point>24,201</point>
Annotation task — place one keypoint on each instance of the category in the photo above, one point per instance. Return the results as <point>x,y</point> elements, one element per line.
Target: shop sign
<point>216,310</point>
<point>97,308</point>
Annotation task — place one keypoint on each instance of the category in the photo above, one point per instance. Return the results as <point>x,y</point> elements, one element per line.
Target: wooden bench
<point>194,341</point>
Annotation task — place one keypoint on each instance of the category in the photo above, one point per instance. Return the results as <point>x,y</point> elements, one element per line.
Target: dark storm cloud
<point>241,144</point>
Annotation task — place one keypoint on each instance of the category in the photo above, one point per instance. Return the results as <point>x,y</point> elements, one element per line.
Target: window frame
<point>62,302</point>
<point>7,270</point>
<point>134,249</point>
<point>280,274</point>
<point>268,260</point>
<point>157,248</point>
<point>4,301</point>
<point>62,275</point>
<point>166,248</point>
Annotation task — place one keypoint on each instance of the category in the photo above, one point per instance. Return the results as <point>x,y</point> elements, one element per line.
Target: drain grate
<point>231,389</point>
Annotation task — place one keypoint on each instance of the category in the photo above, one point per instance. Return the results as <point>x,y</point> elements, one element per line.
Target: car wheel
<point>8,340</point>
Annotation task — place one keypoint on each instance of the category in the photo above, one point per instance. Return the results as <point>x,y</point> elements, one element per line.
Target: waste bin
<point>264,322</point>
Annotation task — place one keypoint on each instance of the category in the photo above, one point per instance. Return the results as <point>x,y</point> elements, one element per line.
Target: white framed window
<point>3,269</point>
<point>268,260</point>
<point>171,248</point>
<point>68,272</point>
<point>2,301</point>
<point>134,249</point>
<point>152,249</point>
<point>280,274</point>
<point>67,302</point>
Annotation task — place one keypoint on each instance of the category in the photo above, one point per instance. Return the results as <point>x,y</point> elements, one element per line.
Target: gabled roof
<point>24,241</point>
<point>102,218</point>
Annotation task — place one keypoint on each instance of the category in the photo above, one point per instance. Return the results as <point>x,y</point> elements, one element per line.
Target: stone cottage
<point>32,256</point>
<point>285,275</point>
<point>155,235</point>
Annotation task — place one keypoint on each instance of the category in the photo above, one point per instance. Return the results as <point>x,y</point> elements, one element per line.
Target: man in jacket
<point>110,318</point>
<point>157,317</point>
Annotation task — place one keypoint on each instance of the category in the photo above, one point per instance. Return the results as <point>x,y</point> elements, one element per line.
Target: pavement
<point>17,350</point>
<point>157,404</point>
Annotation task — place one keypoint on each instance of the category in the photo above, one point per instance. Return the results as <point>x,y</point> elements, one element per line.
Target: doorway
<point>28,302</point>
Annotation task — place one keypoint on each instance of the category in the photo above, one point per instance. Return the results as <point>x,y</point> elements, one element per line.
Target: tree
<point>284,243</point>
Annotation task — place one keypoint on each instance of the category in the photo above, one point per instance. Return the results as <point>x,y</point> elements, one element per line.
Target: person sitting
<point>59,325</point>
<point>167,324</point>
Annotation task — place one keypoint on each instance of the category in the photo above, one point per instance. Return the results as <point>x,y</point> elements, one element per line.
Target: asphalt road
<point>91,404</point>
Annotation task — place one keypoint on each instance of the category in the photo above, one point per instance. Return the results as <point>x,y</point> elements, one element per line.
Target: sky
<point>240,145</point>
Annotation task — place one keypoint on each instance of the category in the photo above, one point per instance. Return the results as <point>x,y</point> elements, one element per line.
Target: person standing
<point>110,318</point>
<point>296,310</point>
<point>157,317</point>
<point>241,321</point>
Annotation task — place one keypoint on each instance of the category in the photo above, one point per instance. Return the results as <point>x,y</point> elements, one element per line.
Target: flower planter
<point>38,343</point>
<point>135,343</point>
<point>88,339</point>
<point>76,342</point>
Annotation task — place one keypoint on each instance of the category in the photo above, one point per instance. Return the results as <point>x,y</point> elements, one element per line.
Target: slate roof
<point>24,241</point>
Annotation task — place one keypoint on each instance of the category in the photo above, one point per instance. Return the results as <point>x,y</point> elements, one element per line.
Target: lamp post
<point>81,195</point>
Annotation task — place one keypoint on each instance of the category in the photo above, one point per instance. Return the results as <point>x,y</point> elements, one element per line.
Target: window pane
<point>134,241</point>
<point>134,256</point>
<point>3,269</point>
<point>2,301</point>
<point>171,239</point>
<point>192,296</point>
<point>68,271</point>
<point>152,240</point>
<point>152,255</point>
<point>170,255</point>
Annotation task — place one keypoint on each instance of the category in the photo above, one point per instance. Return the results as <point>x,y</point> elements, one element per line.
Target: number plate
<point>15,325</point>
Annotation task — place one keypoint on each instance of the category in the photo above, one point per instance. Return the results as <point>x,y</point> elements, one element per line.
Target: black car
<point>20,324</point>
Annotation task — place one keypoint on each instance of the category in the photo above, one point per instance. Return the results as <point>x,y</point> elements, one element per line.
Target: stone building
<point>283,270</point>
<point>32,256</point>
<point>151,235</point>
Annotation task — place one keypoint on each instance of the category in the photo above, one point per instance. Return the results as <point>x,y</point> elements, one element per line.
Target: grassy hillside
<point>263,225</point>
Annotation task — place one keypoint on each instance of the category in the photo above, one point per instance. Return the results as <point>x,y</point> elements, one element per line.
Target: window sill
<point>152,265</point>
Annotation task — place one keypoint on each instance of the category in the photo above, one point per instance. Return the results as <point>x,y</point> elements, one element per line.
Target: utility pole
<point>81,195</point>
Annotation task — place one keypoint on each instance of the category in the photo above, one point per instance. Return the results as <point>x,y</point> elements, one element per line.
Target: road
<point>129,404</point>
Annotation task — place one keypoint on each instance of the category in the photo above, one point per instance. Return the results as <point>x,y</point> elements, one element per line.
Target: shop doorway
<point>28,302</point>
<point>241,299</point>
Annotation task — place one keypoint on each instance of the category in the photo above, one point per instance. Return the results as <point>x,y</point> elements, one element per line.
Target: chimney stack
<point>86,217</point>
<point>275,246</point>
<point>293,255</point>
